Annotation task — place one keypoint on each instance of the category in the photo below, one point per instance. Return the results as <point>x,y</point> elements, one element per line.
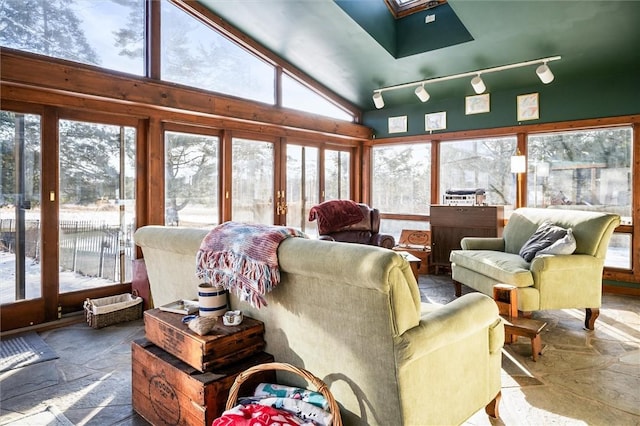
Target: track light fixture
<point>422,94</point>
<point>543,72</point>
<point>377,100</point>
<point>478,84</point>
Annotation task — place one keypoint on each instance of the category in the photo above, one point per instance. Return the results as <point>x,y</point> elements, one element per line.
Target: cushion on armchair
<point>546,234</point>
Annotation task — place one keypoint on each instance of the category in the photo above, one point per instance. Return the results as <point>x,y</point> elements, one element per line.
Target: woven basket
<point>112,310</point>
<point>319,384</point>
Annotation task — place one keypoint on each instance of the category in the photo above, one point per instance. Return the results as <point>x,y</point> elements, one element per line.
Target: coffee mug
<point>212,301</point>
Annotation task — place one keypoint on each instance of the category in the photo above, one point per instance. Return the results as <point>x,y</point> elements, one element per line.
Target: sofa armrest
<point>451,323</point>
<point>383,240</point>
<point>565,262</point>
<point>482,243</point>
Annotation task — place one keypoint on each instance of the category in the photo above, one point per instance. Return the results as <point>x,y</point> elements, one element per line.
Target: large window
<point>296,95</point>
<point>585,170</point>
<point>196,55</point>
<point>479,164</point>
<point>401,184</point>
<point>20,223</point>
<point>107,33</point>
<point>96,204</point>
<point>337,175</point>
<point>191,179</point>
<point>302,186</point>
<point>252,181</point>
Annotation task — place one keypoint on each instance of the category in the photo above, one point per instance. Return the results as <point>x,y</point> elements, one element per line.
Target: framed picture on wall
<point>398,124</point>
<point>528,108</point>
<point>435,121</point>
<point>476,104</point>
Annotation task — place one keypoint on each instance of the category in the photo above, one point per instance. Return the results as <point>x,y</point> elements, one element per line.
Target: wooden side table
<point>414,262</point>
<point>506,297</point>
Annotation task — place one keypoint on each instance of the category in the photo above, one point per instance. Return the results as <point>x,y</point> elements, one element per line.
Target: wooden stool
<point>506,297</point>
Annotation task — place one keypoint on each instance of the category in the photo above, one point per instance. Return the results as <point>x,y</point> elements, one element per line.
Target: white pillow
<point>565,245</point>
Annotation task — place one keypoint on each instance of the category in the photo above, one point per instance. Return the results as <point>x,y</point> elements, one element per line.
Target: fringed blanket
<point>243,258</point>
<point>334,214</point>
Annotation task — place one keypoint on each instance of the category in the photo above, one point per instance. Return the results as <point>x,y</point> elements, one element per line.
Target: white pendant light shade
<point>478,84</point>
<point>545,74</point>
<point>377,100</point>
<point>518,164</point>
<point>422,94</point>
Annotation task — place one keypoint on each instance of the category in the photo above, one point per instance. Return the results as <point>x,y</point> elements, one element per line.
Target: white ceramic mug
<point>212,301</point>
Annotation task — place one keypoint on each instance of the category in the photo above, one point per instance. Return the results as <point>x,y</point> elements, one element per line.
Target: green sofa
<point>548,281</point>
<point>351,314</point>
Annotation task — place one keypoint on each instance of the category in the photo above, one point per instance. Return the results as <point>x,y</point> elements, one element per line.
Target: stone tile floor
<point>582,378</point>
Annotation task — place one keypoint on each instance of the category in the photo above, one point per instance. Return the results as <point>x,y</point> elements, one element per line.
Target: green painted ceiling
<point>322,40</point>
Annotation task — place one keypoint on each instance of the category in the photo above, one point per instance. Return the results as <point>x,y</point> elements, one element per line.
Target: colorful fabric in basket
<point>258,415</point>
<point>282,391</point>
<point>302,410</point>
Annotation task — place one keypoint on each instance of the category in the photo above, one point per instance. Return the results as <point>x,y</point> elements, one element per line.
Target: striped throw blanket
<point>243,258</point>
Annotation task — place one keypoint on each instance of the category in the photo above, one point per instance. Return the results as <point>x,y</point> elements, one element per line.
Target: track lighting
<point>422,94</point>
<point>478,84</point>
<point>377,100</point>
<point>543,72</point>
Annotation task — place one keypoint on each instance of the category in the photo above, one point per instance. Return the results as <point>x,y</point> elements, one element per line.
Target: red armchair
<point>365,230</point>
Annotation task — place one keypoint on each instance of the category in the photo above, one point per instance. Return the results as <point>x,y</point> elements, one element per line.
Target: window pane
<point>296,95</point>
<point>401,180</point>
<point>619,251</point>
<point>252,181</point>
<point>97,204</point>
<point>582,170</point>
<point>106,33</point>
<point>20,178</point>
<point>302,186</point>
<point>395,227</point>
<point>480,163</point>
<point>337,175</point>
<point>191,179</point>
<point>196,55</point>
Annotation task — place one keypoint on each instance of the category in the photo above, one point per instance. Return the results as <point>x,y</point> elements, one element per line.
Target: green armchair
<point>548,281</point>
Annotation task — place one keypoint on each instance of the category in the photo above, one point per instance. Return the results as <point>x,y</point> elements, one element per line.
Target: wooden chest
<point>224,345</point>
<point>166,391</point>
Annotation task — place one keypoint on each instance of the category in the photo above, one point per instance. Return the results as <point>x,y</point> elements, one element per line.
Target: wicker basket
<point>319,384</point>
<point>112,310</point>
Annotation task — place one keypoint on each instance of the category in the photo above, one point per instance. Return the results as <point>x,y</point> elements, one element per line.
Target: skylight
<point>401,8</point>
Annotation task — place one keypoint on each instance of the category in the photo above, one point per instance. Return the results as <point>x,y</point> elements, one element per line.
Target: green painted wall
<point>595,96</point>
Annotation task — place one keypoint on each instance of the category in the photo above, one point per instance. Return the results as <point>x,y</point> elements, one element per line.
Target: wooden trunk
<point>166,391</point>
<point>222,346</point>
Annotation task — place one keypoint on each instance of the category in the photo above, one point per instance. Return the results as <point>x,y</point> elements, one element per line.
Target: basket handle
<point>319,384</point>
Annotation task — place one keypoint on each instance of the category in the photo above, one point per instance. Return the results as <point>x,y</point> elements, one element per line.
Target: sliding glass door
<point>20,222</point>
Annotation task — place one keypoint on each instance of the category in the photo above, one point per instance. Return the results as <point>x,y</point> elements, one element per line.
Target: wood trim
<point>50,216</point>
<point>591,123</point>
<point>55,76</point>
<point>626,291</point>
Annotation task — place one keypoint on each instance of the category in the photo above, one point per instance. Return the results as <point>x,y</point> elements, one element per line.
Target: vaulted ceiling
<point>353,57</point>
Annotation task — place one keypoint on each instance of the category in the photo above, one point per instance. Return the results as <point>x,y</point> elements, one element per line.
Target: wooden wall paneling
<point>32,70</point>
<point>155,172</point>
<point>49,256</point>
<point>435,172</point>
<point>226,155</point>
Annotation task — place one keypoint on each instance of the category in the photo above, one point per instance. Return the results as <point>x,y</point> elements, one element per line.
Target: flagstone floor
<point>582,378</point>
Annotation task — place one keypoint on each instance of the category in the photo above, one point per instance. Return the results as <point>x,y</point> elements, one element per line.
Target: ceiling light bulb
<point>377,100</point>
<point>478,84</point>
<point>422,94</point>
<point>544,73</point>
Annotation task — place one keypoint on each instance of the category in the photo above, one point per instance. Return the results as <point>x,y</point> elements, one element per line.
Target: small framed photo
<point>477,104</point>
<point>398,124</point>
<point>435,121</point>
<point>528,108</point>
